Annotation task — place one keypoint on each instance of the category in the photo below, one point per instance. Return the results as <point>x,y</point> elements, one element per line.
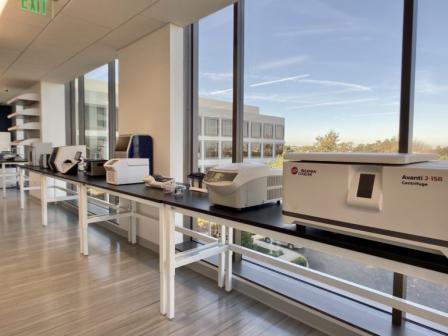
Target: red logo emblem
<point>294,170</point>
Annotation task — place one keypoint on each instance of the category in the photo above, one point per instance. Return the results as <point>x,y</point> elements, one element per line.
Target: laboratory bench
<point>266,221</point>
<point>4,163</point>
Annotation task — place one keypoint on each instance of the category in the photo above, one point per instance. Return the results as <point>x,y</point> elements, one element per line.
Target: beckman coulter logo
<point>294,170</point>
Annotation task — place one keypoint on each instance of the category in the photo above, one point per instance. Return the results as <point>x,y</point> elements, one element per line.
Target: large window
<point>331,69</point>
<point>431,79</point>
<point>215,85</point>
<point>96,95</point>
<point>326,76</point>
<point>93,110</point>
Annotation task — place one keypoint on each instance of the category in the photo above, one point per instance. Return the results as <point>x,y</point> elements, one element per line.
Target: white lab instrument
<point>126,171</point>
<point>242,185</point>
<point>37,149</point>
<point>65,159</point>
<point>397,198</point>
<point>5,141</point>
<point>158,181</point>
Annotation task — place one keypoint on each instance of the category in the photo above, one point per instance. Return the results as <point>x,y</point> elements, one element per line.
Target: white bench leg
<point>229,254</point>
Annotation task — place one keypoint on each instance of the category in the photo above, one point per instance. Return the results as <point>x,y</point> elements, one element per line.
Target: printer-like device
<point>126,171</point>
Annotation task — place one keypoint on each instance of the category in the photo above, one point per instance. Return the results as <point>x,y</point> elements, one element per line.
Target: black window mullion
<point>238,81</point>
<point>408,76</point>
<point>112,97</point>
<point>81,111</point>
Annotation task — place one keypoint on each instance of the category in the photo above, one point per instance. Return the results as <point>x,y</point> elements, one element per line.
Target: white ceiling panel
<point>83,62</point>
<point>65,31</point>
<point>184,12</point>
<point>131,31</point>
<point>14,35</point>
<point>7,56</point>
<point>106,13</point>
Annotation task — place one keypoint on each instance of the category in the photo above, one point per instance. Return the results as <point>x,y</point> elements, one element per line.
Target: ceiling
<point>80,35</point>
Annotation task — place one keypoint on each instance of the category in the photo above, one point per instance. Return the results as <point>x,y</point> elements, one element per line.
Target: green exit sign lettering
<point>35,6</point>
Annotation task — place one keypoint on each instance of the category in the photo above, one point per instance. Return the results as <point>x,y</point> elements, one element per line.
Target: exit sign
<point>35,6</point>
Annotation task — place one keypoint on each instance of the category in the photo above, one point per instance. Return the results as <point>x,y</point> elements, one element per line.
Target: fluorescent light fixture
<point>2,5</point>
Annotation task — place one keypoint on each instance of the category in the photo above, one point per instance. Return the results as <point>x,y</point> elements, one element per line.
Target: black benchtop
<point>13,161</point>
<point>268,217</point>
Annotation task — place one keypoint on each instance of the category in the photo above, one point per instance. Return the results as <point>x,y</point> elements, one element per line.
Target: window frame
<point>406,113</point>
<point>78,92</point>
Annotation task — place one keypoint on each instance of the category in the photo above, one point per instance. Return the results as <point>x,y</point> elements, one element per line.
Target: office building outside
<point>264,135</point>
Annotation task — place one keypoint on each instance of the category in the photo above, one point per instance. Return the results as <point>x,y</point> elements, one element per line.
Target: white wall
<point>52,121</point>
<point>52,113</point>
<point>151,102</point>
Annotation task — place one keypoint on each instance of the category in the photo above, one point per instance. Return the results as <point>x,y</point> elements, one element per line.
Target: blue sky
<point>325,64</point>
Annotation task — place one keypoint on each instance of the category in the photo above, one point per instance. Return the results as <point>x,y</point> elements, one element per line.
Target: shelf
<point>29,126</point>
<point>27,98</point>
<point>25,142</point>
<point>30,112</point>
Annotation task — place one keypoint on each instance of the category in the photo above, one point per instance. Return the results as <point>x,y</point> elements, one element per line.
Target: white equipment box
<point>398,198</point>
<point>242,185</point>
<point>126,171</point>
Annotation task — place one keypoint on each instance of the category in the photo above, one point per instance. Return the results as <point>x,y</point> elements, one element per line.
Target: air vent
<point>273,194</point>
<point>274,181</point>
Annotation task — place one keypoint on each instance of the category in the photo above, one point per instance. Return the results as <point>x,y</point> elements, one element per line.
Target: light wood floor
<point>48,288</point>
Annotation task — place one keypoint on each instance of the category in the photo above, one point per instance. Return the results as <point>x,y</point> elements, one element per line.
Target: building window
<point>96,105</point>
<point>246,150</point>
<point>255,130</point>
<point>226,127</point>
<point>279,132</point>
<point>267,150</point>
<point>200,126</point>
<point>211,149</point>
<point>226,149</point>
<point>246,129</point>
<point>255,150</point>
<point>211,126</point>
<point>278,149</point>
<point>268,131</point>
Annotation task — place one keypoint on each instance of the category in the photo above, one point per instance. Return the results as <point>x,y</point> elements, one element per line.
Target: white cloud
<point>281,80</point>
<point>220,92</point>
<point>333,103</point>
<point>279,63</point>
<point>308,31</point>
<point>217,76</point>
<point>347,85</point>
